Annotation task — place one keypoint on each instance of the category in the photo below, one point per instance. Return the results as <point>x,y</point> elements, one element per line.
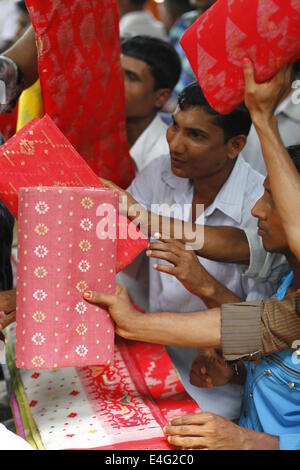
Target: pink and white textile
<point>67,245</point>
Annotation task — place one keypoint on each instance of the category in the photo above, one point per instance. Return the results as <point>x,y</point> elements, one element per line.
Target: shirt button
<point>268,372</point>
<point>251,395</point>
<point>291,385</point>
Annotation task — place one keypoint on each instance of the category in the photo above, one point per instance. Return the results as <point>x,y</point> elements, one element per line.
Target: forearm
<point>284,178</point>
<point>260,328</point>
<point>224,244</point>
<point>217,294</point>
<point>190,330</point>
<point>24,54</point>
<point>260,441</point>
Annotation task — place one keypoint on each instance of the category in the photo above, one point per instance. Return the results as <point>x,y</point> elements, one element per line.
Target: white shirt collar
<point>226,200</point>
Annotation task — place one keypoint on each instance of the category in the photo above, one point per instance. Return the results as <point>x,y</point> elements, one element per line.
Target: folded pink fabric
<point>265,31</point>
<point>40,155</point>
<point>67,245</point>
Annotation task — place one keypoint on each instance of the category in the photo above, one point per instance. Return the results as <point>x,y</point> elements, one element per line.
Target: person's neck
<point>295,266</point>
<point>206,189</point>
<point>135,128</point>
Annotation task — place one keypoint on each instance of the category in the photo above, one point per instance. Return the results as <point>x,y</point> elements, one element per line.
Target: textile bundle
<point>121,407</point>
<point>63,251</point>
<point>82,80</point>
<point>265,31</point>
<point>40,155</point>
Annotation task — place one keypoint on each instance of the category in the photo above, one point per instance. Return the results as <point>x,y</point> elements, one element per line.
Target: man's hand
<point>263,99</point>
<point>8,306</point>
<point>207,431</point>
<point>185,266</point>
<point>127,202</point>
<point>119,307</point>
<point>209,369</point>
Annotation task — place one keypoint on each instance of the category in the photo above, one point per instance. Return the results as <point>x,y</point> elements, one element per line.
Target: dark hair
<point>178,7</point>
<point>294,152</point>
<point>161,57</point>
<point>236,123</point>
<point>296,69</point>
<point>22,5</point>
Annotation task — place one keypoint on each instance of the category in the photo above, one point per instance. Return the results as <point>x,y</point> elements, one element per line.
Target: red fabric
<point>266,31</point>
<point>40,155</point>
<point>138,397</point>
<point>63,251</point>
<point>8,123</point>
<point>82,80</point>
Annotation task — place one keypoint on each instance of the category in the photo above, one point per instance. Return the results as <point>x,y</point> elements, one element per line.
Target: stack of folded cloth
<point>63,249</point>
<point>265,31</point>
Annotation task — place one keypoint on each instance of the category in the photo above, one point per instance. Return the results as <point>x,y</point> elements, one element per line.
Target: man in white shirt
<point>152,69</point>
<point>288,117</point>
<point>204,167</point>
<point>134,20</point>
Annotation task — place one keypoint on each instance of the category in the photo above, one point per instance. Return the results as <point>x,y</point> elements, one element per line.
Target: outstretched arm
<point>191,330</point>
<point>262,101</point>
<point>224,244</point>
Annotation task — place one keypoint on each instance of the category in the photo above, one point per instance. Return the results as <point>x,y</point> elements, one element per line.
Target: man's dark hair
<point>22,5</point>
<point>238,122</point>
<point>163,60</point>
<point>178,7</point>
<point>294,152</point>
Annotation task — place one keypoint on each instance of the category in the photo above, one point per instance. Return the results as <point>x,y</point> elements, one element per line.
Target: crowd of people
<point>227,311</point>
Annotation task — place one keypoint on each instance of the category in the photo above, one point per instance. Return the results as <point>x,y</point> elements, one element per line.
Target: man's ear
<point>235,145</point>
<point>162,96</point>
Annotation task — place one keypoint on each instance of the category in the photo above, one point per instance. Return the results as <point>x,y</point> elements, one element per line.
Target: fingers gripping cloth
<point>265,31</point>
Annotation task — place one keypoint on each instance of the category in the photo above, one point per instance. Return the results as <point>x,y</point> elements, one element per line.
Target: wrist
<point>254,440</point>
<point>261,121</point>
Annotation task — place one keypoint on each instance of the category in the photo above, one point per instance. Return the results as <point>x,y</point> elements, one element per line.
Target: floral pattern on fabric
<point>64,330</point>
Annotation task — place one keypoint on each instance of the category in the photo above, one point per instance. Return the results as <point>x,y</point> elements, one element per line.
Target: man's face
<point>197,146</point>
<point>269,224</point>
<point>140,96</point>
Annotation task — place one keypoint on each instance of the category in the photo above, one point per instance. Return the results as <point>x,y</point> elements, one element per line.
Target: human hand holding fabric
<point>207,431</point>
<point>209,370</point>
<point>8,306</point>
<point>263,99</point>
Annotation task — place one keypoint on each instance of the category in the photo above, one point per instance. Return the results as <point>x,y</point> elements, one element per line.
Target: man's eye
<point>196,135</point>
<point>132,76</point>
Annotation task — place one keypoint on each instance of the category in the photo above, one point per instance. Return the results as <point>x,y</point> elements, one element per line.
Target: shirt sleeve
<point>254,329</point>
<point>263,265</point>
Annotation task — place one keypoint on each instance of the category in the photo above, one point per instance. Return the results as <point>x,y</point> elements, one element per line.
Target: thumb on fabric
<point>99,298</point>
